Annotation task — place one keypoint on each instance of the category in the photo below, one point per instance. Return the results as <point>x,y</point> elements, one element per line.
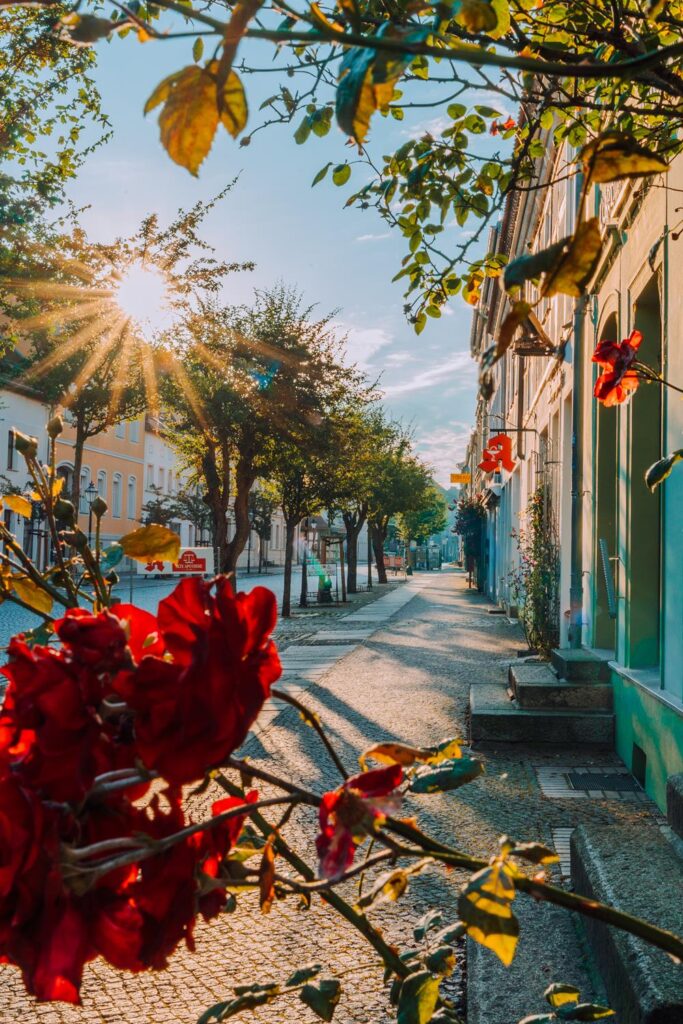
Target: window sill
<point>649,680</point>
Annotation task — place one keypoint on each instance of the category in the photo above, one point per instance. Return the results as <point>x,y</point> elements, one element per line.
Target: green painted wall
<point>643,719</point>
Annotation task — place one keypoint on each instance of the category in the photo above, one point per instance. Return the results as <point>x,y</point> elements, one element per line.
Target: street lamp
<point>90,495</point>
<point>306,526</point>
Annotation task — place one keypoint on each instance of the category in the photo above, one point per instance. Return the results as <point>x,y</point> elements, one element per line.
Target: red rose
<point>191,713</point>
<point>50,729</point>
<point>618,381</point>
<point>98,641</point>
<point>349,813</point>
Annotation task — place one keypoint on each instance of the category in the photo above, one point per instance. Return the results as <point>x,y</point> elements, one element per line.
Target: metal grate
<point>616,782</point>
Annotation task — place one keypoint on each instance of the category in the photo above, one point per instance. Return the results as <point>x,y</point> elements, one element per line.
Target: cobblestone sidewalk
<point>408,681</point>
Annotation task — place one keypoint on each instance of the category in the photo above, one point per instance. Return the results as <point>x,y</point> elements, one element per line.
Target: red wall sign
<point>498,452</point>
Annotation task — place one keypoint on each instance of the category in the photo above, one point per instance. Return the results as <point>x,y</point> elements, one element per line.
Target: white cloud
<point>434,127</point>
<point>437,375</point>
<point>363,343</point>
<point>444,449</point>
<point>400,358</point>
<point>373,238</point>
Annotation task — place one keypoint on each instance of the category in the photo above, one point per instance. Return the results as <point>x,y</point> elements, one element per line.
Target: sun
<point>142,295</point>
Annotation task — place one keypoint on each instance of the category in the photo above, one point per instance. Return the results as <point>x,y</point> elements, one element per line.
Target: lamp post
<point>90,495</point>
<point>303,598</point>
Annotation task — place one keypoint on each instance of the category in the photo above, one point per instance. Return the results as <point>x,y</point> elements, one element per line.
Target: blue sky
<point>340,258</point>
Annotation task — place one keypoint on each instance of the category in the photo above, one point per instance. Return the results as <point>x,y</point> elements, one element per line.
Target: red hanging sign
<point>498,452</point>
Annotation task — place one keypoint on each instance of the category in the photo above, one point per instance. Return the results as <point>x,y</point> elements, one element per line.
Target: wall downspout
<point>576,549</point>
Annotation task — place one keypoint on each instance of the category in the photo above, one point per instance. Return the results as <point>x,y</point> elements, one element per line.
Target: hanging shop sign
<point>497,454</point>
<point>461,478</point>
<point>191,562</point>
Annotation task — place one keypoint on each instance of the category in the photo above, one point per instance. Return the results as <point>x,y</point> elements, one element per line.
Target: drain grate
<point>616,782</point>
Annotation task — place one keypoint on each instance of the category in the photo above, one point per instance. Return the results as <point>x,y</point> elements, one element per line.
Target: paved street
<point>146,593</point>
<point>399,668</point>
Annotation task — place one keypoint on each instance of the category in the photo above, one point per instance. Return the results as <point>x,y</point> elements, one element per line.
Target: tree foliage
<point>504,80</point>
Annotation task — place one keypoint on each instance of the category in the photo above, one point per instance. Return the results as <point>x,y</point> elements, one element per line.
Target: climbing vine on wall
<point>535,582</point>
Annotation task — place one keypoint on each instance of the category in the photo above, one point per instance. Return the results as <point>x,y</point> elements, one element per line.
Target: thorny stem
<point>359,921</point>
<point>310,718</point>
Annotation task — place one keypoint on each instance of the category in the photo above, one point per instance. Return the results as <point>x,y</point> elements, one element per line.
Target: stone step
<point>674,803</point>
<point>537,686</point>
<point>581,665</point>
<point>496,721</point>
<point>634,868</point>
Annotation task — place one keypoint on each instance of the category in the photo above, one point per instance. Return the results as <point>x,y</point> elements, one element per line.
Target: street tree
<point>401,485</point>
<point>503,80</point>
<point>158,509</point>
<point>426,520</point>
<point>245,381</point>
<point>262,504</point>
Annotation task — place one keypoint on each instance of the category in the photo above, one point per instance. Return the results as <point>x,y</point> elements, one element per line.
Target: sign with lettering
<point>191,562</point>
<point>461,478</point>
<point>497,454</point>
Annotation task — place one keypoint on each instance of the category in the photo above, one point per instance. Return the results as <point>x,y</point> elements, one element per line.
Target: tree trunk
<point>290,530</point>
<point>352,531</point>
<point>244,481</point>
<point>378,536</point>
<point>217,500</point>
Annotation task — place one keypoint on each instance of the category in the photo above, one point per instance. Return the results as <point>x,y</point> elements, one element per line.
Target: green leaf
<point>660,470</point>
<point>198,49</point>
<point>441,960</point>
<point>341,174</point>
<point>322,998</point>
<point>303,131</point>
<point>388,886</point>
<point>456,110</point>
<point>432,919</point>
<point>559,994</point>
<point>418,998</point>
<point>248,1001</point>
<point>450,934</point>
<point>111,556</point>
<point>475,15</point>
<point>614,156</point>
<point>585,1012</point>
<point>322,173</point>
<point>303,974</point>
<point>530,267</point>
<point>448,775</point>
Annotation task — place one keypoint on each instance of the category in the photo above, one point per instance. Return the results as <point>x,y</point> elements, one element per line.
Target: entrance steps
<point>566,701</point>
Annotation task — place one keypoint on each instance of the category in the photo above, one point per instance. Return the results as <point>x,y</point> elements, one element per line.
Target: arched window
<point>116,486</point>
<point>85,481</point>
<point>131,498</point>
<point>102,484</point>
<point>66,474</point>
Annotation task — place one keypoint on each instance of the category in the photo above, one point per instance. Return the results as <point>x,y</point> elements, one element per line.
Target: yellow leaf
<point>576,265</point>
<point>560,995</point>
<point>17,503</point>
<point>57,486</point>
<point>235,112</point>
<point>162,91</point>
<point>151,543</point>
<point>491,923</point>
<point>394,753</point>
<point>189,117</point>
<point>31,594</point>
<point>617,155</point>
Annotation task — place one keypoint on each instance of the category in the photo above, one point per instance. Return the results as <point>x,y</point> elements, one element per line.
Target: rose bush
<point>175,694</point>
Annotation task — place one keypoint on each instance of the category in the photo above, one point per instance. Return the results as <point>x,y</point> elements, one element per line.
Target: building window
<point>102,484</point>
<point>116,495</point>
<point>131,502</point>
<point>10,450</point>
<point>170,481</point>
<point>134,430</point>
<point>161,478</point>
<point>150,476</point>
<point>120,430</point>
<point>83,506</point>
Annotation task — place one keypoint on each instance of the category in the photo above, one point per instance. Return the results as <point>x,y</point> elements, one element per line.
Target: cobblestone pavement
<point>409,681</point>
